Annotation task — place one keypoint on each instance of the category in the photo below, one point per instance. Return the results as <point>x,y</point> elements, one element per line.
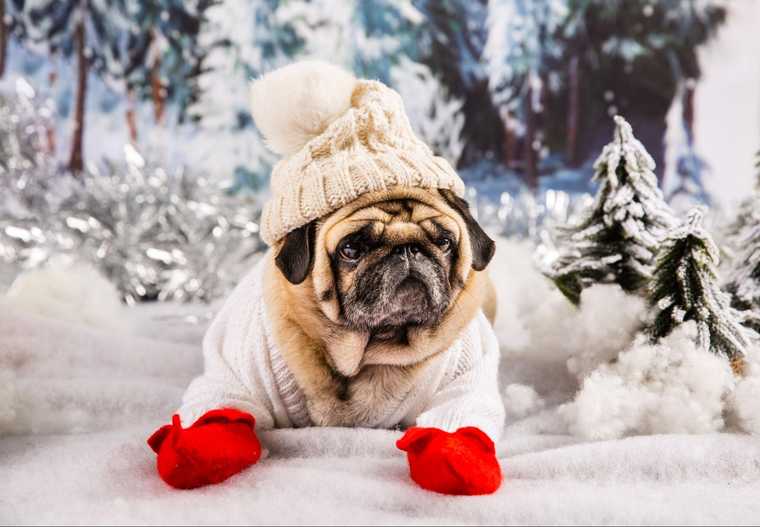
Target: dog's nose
<point>408,250</point>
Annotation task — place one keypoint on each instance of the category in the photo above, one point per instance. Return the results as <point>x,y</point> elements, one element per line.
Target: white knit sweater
<point>244,370</point>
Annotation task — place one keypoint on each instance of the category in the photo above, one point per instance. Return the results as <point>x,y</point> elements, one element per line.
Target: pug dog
<point>370,310</point>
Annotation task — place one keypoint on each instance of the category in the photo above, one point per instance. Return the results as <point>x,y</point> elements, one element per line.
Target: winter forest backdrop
<point>515,90</point>
<point>126,139</point>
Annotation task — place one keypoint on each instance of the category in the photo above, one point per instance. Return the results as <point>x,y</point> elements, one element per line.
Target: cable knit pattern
<point>244,370</point>
<point>370,147</point>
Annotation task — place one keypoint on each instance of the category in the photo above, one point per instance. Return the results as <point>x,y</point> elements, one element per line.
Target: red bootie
<point>462,463</point>
<point>218,445</point>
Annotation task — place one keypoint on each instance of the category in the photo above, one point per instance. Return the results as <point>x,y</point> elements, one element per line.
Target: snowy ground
<point>83,382</point>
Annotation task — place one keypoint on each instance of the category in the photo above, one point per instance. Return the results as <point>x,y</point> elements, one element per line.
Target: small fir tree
<point>744,274</point>
<point>744,282</point>
<point>618,239</point>
<point>685,287</point>
<point>747,217</point>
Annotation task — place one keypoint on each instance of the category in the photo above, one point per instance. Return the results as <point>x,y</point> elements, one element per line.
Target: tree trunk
<point>3,38</point>
<point>572,113</point>
<point>157,90</point>
<point>530,158</point>
<point>50,129</point>
<point>687,111</point>
<point>76,161</point>
<point>509,146</point>
<point>131,116</point>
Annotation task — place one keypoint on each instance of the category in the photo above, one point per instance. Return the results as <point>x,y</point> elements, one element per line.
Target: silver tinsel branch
<point>156,234</point>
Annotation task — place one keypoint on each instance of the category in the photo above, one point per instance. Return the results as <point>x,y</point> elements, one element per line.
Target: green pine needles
<point>618,240</point>
<point>685,287</point>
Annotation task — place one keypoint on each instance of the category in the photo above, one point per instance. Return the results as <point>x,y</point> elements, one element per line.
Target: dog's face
<point>393,268</point>
<point>389,264</point>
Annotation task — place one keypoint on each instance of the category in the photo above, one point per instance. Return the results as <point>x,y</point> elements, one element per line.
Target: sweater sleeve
<point>469,392</point>
<point>233,374</point>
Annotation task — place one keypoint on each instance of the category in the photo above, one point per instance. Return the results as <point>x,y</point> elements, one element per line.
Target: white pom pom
<point>293,104</point>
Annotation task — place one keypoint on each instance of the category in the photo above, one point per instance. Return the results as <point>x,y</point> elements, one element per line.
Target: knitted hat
<point>339,137</point>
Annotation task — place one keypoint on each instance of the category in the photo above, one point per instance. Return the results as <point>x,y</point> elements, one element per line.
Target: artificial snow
<point>7,399</point>
<point>745,401</point>
<point>521,400</point>
<point>69,291</point>
<point>673,386</point>
<point>536,320</point>
<point>78,398</point>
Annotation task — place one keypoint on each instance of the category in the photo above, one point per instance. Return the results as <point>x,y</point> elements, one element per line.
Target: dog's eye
<point>444,244</point>
<point>350,252</point>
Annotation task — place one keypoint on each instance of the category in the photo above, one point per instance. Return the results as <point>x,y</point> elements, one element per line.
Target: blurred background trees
<point>511,88</point>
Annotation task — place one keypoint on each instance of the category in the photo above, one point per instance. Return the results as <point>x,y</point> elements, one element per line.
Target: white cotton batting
<point>585,337</point>
<point>521,290</point>
<point>534,317</point>
<point>521,400</point>
<point>7,399</point>
<point>669,387</point>
<point>745,402</point>
<point>68,291</point>
<point>606,323</point>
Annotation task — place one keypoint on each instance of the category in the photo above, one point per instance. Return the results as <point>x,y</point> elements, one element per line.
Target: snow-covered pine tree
<point>743,281</point>
<point>367,38</point>
<point>566,58</point>
<point>435,115</point>
<point>247,39</point>
<point>617,241</point>
<point>748,209</point>
<point>685,287</point>
<point>522,49</point>
<point>164,52</point>
<point>451,43</point>
<point>243,40</point>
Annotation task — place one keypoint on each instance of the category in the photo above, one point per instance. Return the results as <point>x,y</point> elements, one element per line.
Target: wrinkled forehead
<point>395,220</point>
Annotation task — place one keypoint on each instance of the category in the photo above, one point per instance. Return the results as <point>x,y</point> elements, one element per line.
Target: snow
<point>521,400</point>
<point>68,291</point>
<point>536,322</point>
<point>746,406</point>
<point>670,387</point>
<point>7,398</point>
<point>79,396</point>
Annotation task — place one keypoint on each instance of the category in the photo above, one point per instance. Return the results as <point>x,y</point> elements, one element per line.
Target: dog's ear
<point>296,256</point>
<point>483,247</point>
